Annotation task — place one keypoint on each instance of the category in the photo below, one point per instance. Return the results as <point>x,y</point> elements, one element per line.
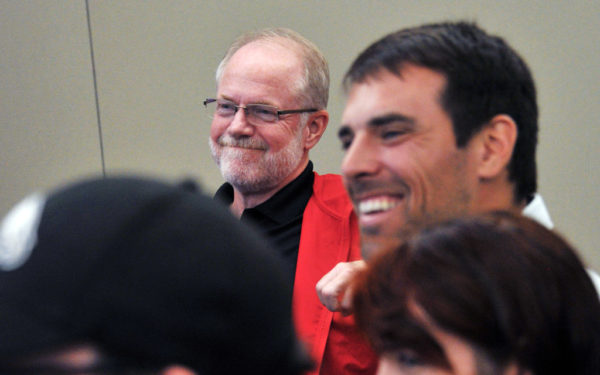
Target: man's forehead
<point>365,105</point>
<point>261,72</point>
<point>267,54</point>
<point>382,93</point>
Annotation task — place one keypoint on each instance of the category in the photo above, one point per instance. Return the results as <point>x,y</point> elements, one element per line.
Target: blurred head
<point>277,68</point>
<point>134,274</point>
<point>492,294</point>
<point>439,114</point>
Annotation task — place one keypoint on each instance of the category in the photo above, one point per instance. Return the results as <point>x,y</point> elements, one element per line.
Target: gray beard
<point>255,176</point>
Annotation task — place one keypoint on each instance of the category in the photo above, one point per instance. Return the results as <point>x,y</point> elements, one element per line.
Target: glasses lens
<point>260,113</point>
<point>225,108</point>
<point>257,114</point>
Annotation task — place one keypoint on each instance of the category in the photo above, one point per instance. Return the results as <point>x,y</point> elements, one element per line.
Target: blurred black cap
<point>151,272</point>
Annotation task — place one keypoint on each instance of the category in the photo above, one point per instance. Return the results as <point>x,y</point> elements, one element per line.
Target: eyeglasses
<point>256,114</point>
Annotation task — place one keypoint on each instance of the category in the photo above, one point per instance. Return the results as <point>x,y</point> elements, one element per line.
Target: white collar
<point>536,210</point>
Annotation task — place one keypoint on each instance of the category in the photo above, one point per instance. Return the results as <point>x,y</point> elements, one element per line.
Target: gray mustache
<point>251,143</point>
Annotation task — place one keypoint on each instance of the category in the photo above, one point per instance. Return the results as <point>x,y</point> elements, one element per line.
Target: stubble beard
<point>413,219</point>
<point>392,232</point>
<point>244,172</point>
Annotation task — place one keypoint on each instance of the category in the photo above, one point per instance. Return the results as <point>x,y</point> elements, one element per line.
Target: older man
<point>269,111</point>
<point>441,120</point>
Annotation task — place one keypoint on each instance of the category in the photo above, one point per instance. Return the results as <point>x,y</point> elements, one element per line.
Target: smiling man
<point>440,120</point>
<point>432,128</point>
<point>269,111</point>
<point>402,166</point>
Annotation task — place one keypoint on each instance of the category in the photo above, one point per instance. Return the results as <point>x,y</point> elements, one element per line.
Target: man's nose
<point>360,159</point>
<point>239,124</point>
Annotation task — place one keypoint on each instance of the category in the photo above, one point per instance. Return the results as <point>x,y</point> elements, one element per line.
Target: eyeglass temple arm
<point>207,101</point>
<point>296,111</point>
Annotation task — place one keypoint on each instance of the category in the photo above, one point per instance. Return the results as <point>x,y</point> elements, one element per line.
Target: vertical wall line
<point>98,117</point>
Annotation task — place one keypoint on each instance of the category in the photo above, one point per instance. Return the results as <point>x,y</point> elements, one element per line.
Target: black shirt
<point>280,217</point>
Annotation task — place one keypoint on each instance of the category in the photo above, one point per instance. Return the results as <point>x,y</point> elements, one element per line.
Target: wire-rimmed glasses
<point>256,114</point>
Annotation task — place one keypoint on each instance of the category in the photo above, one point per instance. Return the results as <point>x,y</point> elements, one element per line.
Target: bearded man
<point>269,111</point>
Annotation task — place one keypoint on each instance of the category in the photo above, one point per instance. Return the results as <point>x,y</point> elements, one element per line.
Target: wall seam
<point>97,101</point>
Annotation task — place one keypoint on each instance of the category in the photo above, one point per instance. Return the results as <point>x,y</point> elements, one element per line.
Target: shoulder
<point>595,279</point>
<point>536,210</point>
<point>329,193</point>
<point>328,182</point>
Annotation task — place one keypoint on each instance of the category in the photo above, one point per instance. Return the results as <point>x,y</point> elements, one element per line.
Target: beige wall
<point>155,63</point>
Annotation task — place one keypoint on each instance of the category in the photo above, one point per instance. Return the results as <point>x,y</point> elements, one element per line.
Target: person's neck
<point>499,196</point>
<point>242,201</point>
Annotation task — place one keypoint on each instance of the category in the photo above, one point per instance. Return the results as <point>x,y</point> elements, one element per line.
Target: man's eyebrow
<point>344,131</point>
<point>375,122</point>
<point>386,119</point>
<point>227,98</point>
<point>259,102</point>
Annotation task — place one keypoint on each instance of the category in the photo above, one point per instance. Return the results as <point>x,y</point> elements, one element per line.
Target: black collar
<point>286,204</point>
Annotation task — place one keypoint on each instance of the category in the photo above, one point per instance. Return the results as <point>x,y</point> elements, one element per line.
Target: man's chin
<point>250,181</point>
<point>374,241</point>
<point>391,234</point>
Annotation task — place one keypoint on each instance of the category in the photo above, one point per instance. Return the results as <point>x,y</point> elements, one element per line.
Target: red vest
<point>329,236</point>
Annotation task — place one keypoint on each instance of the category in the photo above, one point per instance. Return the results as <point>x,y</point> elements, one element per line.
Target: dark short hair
<point>513,289</point>
<point>484,77</point>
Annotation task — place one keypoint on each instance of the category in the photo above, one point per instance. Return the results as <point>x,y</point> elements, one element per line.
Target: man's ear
<point>317,123</point>
<point>497,141</point>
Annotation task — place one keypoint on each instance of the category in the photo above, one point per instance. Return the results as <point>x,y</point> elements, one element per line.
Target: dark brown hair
<point>513,289</point>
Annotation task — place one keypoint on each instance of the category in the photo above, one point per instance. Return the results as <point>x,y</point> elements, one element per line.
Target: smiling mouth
<point>242,143</point>
<point>246,147</point>
<point>377,204</point>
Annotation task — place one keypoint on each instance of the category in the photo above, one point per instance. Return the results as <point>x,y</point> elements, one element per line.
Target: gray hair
<point>313,87</point>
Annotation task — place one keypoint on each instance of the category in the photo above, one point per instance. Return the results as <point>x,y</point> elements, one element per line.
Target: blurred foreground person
<point>495,294</point>
<point>130,275</point>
